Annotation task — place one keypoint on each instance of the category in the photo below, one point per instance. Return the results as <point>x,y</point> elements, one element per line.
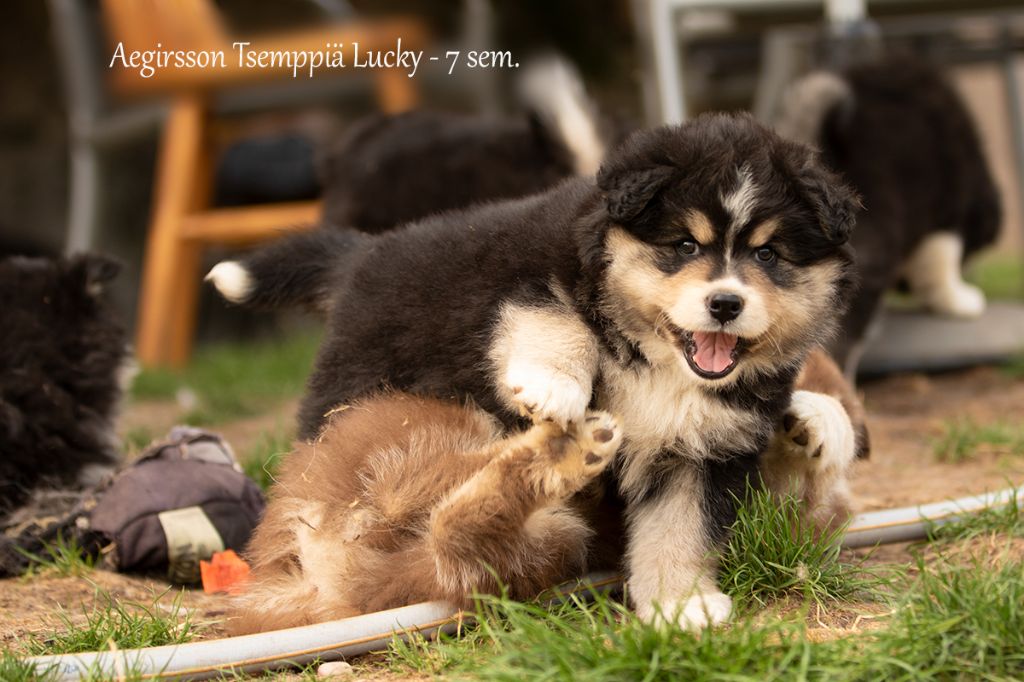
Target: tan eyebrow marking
<point>763,233</point>
<point>699,226</point>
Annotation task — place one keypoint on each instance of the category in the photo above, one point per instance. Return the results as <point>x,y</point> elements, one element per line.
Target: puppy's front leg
<point>670,558</point>
<point>544,359</point>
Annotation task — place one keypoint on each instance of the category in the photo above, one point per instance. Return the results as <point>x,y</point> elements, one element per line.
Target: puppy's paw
<point>547,395</point>
<point>817,428</point>
<point>569,459</point>
<point>959,299</point>
<point>704,609</point>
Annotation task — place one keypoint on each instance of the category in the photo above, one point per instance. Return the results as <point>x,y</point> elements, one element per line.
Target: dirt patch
<point>907,414</point>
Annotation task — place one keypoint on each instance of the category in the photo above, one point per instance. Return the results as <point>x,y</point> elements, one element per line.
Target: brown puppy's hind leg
<point>509,522</point>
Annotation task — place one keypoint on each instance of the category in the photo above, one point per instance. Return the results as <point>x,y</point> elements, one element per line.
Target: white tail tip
<point>232,280</point>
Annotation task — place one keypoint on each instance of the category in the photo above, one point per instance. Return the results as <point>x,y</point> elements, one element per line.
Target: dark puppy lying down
<point>390,169</point>
<point>681,293</point>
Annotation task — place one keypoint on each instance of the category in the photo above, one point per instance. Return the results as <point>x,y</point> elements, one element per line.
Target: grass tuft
<point>123,624</point>
<point>958,622</point>
<point>62,557</point>
<point>961,439</point>
<point>1005,520</point>
<point>14,669</point>
<point>773,552</point>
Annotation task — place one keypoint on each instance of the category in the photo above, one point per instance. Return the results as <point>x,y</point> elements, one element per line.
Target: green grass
<point>961,439</point>
<point>229,381</point>
<point>137,439</point>
<point>1000,275</point>
<point>14,669</point>
<point>774,553</point>
<point>262,459</point>
<point>62,557</point>
<point>124,624</point>
<point>957,623</point>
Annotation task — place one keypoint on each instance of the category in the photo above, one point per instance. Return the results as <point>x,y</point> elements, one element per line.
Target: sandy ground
<point>906,414</point>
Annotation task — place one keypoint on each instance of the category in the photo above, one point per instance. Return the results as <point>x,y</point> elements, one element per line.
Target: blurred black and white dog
<point>680,290</point>
<point>902,137</point>
<point>63,353</point>
<point>390,169</point>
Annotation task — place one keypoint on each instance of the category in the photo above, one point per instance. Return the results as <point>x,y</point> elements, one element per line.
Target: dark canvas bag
<point>182,500</point>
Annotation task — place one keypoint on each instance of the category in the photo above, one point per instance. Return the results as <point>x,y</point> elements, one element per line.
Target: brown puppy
<point>404,499</point>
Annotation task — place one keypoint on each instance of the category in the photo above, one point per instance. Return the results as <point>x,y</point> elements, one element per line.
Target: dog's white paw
<point>232,280</point>
<point>959,299</point>
<point>704,609</point>
<point>816,427</point>
<point>546,395</point>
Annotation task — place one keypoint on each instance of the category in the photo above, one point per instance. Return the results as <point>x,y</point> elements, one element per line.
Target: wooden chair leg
<point>170,278</point>
<point>396,92</point>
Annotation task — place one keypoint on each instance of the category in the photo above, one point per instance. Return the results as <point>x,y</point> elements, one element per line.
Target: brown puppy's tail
<point>297,270</point>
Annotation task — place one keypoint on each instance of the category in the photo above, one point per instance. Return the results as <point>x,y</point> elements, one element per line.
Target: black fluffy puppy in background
<point>63,352</point>
<point>899,132</point>
<point>391,169</point>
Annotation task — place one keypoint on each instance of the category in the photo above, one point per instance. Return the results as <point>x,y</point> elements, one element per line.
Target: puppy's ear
<point>834,203</point>
<point>93,271</point>
<point>627,192</point>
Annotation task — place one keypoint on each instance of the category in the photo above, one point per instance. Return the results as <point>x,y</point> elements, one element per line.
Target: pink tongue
<point>714,350</point>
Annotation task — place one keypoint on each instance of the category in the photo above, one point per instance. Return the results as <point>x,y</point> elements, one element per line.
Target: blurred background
<point>80,144</point>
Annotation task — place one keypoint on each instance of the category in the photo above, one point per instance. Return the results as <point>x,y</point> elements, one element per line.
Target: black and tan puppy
<point>680,292</point>
<point>902,137</point>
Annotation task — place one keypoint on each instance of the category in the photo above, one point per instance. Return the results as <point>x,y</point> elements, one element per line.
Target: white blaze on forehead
<point>740,202</point>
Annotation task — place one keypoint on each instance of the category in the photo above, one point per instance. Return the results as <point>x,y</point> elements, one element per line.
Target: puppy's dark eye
<point>688,247</point>
<point>765,255</point>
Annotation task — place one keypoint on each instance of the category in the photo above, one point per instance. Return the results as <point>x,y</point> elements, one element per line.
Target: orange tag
<point>225,572</point>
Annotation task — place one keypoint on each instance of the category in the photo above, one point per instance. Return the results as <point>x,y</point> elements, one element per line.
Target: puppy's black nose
<point>725,307</point>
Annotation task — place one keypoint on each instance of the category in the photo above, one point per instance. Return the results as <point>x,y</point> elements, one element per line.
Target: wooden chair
<point>183,224</point>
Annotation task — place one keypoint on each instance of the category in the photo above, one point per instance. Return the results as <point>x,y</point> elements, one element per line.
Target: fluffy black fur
<point>392,169</point>
<point>904,139</point>
<point>389,170</point>
<point>417,308</point>
<point>61,349</point>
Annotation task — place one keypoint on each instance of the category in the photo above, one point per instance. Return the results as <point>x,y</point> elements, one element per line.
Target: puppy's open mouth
<point>712,355</point>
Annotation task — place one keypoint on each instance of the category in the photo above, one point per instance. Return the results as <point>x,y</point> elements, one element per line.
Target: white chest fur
<point>661,408</point>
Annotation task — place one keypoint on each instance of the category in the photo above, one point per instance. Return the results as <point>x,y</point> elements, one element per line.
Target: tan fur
<point>763,233</point>
<point>405,499</point>
<point>699,226</point>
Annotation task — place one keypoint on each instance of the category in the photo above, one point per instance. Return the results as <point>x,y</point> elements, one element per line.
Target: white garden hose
<point>372,632</point>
